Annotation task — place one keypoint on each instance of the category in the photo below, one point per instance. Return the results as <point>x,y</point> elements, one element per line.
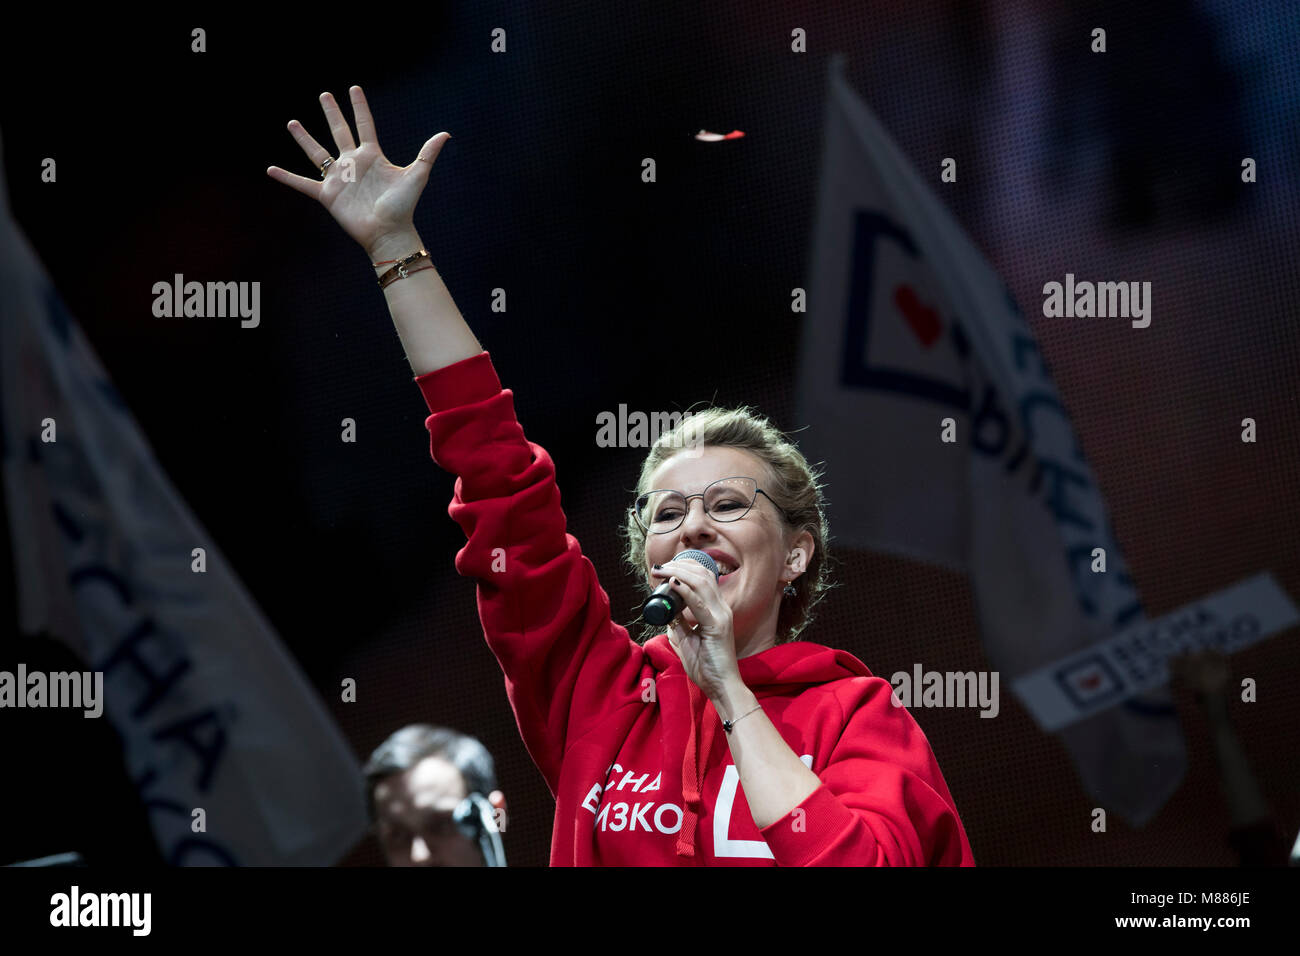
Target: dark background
<point>1122,165</point>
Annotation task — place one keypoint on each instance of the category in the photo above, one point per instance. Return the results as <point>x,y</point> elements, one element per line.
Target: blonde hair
<point>793,485</point>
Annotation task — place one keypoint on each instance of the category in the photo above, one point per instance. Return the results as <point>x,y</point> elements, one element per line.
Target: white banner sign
<point>214,715</point>
<point>1108,673</point>
<point>912,336</point>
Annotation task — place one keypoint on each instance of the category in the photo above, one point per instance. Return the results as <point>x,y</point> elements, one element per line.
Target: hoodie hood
<point>782,669</point>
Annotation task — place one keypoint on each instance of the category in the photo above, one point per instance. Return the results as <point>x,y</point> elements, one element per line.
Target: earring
<point>790,591</point>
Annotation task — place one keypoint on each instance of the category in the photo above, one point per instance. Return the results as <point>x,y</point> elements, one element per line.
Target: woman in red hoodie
<point>721,741</point>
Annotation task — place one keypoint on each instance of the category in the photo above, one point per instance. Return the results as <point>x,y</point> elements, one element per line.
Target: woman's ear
<point>801,551</point>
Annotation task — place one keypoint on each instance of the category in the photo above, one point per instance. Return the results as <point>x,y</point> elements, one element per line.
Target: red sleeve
<point>544,613</point>
<point>882,802</point>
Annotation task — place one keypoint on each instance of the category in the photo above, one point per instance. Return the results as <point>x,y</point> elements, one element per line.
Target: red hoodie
<point>631,749</point>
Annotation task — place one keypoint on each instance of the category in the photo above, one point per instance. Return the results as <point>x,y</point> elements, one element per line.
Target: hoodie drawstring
<point>695,759</point>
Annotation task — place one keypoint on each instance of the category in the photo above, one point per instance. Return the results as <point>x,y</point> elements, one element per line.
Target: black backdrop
<point>348,549</point>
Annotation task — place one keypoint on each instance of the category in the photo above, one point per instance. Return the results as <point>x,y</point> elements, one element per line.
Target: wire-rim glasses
<point>728,499</point>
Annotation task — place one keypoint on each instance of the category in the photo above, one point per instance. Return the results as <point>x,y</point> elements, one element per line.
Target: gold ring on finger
<point>325,165</point>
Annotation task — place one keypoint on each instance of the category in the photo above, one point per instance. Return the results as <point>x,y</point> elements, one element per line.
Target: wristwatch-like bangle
<point>401,270</point>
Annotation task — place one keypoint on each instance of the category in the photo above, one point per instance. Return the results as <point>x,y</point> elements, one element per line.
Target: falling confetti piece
<point>704,136</point>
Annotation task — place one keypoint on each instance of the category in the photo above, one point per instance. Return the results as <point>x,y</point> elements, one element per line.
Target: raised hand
<point>380,201</point>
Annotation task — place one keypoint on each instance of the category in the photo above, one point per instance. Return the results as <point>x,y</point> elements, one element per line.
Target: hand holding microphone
<point>665,604</point>
<point>707,651</point>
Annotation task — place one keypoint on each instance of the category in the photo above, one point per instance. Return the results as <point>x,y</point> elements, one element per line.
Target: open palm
<point>366,194</point>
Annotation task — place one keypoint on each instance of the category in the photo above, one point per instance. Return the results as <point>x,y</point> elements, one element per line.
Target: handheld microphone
<point>665,603</point>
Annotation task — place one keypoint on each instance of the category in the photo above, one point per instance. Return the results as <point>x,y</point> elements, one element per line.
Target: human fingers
<point>674,574</point>
<point>418,171</point>
<point>308,187</point>
<point>691,581</point>
<point>361,113</point>
<point>703,581</point>
<point>316,153</point>
<point>691,570</point>
<point>693,586</point>
<point>339,128</point>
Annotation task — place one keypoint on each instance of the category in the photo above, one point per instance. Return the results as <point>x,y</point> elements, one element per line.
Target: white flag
<point>213,713</point>
<point>908,325</point>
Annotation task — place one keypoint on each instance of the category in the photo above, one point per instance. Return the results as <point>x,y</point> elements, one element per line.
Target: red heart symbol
<point>923,319</point>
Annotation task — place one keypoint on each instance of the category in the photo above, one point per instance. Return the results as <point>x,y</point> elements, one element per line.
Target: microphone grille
<point>699,556</point>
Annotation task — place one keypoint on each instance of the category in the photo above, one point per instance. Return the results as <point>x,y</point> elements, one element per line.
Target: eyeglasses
<point>727,499</point>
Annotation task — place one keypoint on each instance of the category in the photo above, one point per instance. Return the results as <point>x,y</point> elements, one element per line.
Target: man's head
<point>416,780</point>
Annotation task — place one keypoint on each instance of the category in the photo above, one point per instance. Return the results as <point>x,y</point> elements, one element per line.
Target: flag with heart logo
<point>909,325</point>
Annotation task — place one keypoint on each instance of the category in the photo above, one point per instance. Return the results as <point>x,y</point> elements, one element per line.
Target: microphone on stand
<point>665,603</point>
<point>475,818</point>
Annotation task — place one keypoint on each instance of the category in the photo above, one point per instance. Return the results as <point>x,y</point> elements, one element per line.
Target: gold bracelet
<point>400,271</point>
